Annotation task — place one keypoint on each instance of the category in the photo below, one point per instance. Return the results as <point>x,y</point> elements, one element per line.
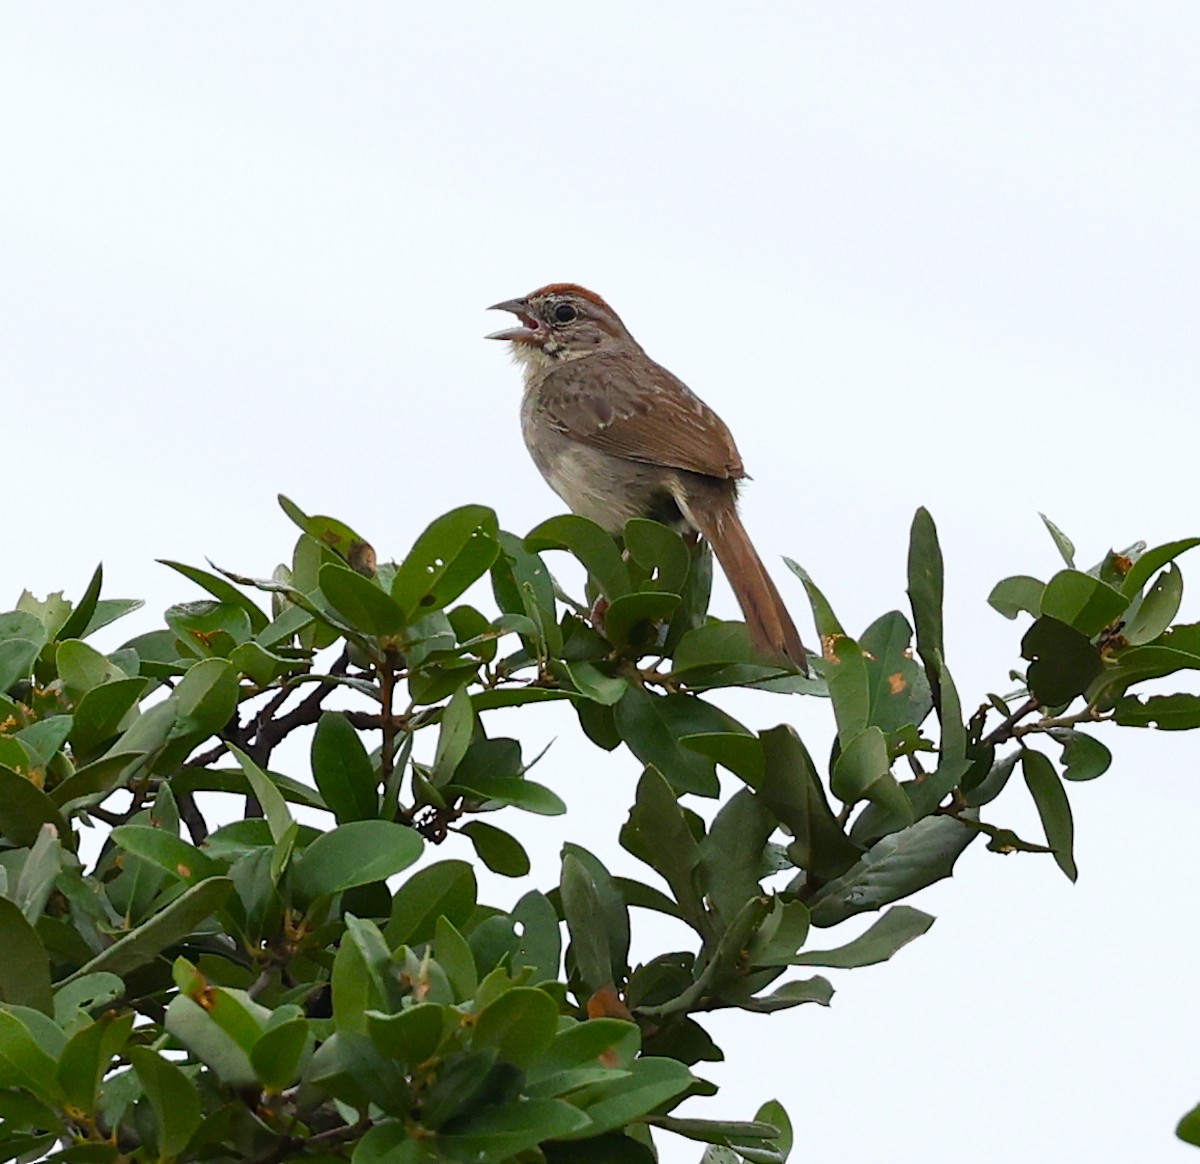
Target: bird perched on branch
<point>617,436</point>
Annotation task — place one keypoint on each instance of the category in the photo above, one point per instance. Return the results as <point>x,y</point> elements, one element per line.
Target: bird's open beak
<point>529,326</point>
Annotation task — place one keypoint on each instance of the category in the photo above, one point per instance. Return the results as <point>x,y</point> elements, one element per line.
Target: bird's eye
<point>564,313</point>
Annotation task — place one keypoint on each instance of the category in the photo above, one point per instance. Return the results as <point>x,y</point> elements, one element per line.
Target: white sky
<point>924,253</point>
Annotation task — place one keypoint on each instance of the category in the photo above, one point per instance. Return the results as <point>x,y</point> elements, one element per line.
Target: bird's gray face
<point>560,322</point>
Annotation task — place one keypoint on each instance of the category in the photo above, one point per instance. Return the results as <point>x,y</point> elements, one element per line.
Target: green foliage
<point>277,985</point>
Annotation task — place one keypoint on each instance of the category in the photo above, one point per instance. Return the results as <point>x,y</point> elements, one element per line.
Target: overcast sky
<point>936,254</point>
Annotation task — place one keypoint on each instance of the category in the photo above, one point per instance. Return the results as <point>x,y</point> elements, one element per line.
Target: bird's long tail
<point>770,625</point>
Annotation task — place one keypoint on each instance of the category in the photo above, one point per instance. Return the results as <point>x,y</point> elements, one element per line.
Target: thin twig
<point>1004,730</point>
<point>387,689</point>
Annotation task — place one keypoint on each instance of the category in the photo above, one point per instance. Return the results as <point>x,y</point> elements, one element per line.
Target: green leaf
<point>849,686</point>
<point>612,913</point>
<point>1157,609</point>
<point>270,799</point>
<point>23,1057</point>
<point>260,665</point>
<point>82,995</point>
<point>1063,661</point>
<point>610,1148</point>
<point>1084,757</point>
<point>77,624</point>
<point>387,1142</point>
<point>772,1112</point>
<point>348,1067</point>
<point>167,851</point>
<point>515,697</point>
<point>330,533</point>
<point>523,586</point>
<point>714,644</point>
<point>465,1083</point>
<point>499,1132</point>
<point>280,1053</point>
<point>107,611</point>
<point>511,790</point>
<point>1082,601</point>
<point>790,994</point>
<point>20,625</point>
<point>659,550</point>
<point>828,626</point>
<point>197,1028</point>
<point>444,889</point>
<point>720,1131</point>
<point>1052,805</point>
<point>594,684</point>
<point>953,762</point>
<point>781,934</point>
<point>899,926</point>
<point>595,548</point>
<point>1188,1128</point>
<point>501,852</point>
<point>88,1056</point>
<point>46,736</point>
<point>925,589</point>
<point>82,667</point>
<point>362,602</point>
<point>863,771</point>
<point>209,629</point>
<point>539,946</point>
<point>355,853</point>
<point>898,689</point>
<point>586,924</point>
<point>173,1099</point>
<point>205,699</point>
<point>792,790</point>
<point>740,754</point>
<point>100,713</point>
<point>1062,543</point>
<point>16,659</point>
<point>1018,593</point>
<point>26,809</point>
<point>629,620</point>
<point>25,966</point>
<point>651,1081</point>
<point>652,725</point>
<point>343,771</point>
<point>455,958</point>
<point>599,1042</point>
<point>732,852</point>
<point>52,613</point>
<point>35,882</point>
<point>454,551</point>
<point>454,737</point>
<point>102,775</point>
<point>657,832</point>
<point>222,591</point>
<point>411,1035</point>
<point>1166,712</point>
<point>171,924</point>
<point>1144,568</point>
<point>520,1024</point>
<point>894,867</point>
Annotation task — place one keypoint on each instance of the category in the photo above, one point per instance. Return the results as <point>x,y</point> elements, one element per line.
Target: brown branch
<point>1005,730</point>
<point>189,813</point>
<point>307,711</point>
<point>387,690</point>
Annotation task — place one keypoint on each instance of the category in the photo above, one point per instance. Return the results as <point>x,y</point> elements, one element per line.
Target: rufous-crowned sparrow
<point>617,436</point>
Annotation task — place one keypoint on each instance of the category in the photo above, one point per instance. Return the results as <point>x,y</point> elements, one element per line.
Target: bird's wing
<point>630,407</point>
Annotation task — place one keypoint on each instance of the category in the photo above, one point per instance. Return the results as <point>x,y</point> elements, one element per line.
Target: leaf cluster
<point>270,987</point>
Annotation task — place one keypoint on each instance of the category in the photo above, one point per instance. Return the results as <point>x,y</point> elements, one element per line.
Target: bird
<point>617,436</point>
